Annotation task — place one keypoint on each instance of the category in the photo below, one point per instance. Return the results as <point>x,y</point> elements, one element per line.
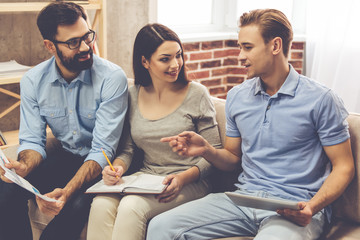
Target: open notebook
<point>140,184</point>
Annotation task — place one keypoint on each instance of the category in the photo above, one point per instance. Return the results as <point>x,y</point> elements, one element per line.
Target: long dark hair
<point>148,39</point>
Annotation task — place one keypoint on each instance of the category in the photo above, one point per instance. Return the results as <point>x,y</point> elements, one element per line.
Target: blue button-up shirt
<point>85,115</point>
<point>283,135</point>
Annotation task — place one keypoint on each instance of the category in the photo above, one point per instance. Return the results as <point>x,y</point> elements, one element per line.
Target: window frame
<point>223,25</point>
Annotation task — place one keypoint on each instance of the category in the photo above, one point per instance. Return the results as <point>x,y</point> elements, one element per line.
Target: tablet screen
<point>261,203</point>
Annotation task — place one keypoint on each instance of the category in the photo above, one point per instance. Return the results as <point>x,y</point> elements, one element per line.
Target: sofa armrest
<point>348,205</point>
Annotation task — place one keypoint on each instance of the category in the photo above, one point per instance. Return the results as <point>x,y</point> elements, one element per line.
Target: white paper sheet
<point>11,175</point>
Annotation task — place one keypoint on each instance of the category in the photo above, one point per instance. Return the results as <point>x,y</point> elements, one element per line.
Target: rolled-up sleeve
<point>330,120</point>
<point>110,117</point>
<point>32,132</point>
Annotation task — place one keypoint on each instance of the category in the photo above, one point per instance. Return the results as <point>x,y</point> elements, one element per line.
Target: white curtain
<point>333,47</point>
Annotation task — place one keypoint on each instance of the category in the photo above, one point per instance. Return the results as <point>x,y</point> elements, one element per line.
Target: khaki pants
<point>113,216</point>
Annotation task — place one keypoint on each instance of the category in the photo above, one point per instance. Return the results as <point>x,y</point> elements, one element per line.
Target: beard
<point>73,64</point>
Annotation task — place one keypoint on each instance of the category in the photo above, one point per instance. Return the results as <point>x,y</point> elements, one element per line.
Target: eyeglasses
<point>75,43</point>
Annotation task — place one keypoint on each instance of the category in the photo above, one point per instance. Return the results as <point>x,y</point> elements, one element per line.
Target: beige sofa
<point>346,224</point>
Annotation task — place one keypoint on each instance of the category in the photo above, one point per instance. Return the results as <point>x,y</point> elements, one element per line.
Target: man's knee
<point>278,228</point>
<point>158,229</point>
<point>12,195</point>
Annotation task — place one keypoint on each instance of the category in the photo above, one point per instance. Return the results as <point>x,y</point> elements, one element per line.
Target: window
<point>191,16</point>
<point>209,16</point>
<point>172,14</point>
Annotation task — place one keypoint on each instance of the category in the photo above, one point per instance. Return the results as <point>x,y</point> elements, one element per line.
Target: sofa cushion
<point>219,105</point>
<point>347,206</point>
<point>342,230</point>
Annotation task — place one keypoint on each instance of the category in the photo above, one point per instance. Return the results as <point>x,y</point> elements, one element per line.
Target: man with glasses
<point>83,99</point>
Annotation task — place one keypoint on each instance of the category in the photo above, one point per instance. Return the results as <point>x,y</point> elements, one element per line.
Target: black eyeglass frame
<point>81,39</point>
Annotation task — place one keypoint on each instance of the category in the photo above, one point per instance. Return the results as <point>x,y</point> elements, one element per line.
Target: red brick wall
<point>215,64</point>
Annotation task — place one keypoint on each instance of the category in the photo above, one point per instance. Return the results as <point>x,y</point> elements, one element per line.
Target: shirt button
<point>268,107</point>
<point>70,111</point>
<point>70,90</point>
<point>89,115</point>
<point>80,148</point>
<point>74,132</point>
<point>52,115</point>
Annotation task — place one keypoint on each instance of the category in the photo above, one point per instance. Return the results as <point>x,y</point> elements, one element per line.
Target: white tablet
<point>261,203</point>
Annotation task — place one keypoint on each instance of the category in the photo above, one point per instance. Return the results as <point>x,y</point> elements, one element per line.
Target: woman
<point>162,103</point>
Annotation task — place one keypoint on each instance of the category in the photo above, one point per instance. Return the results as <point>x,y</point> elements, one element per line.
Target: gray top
<point>196,113</point>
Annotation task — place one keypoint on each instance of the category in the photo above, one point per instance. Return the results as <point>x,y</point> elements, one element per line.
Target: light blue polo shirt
<point>283,135</point>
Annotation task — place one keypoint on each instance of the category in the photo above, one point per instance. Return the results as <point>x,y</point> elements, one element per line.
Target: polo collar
<point>288,87</point>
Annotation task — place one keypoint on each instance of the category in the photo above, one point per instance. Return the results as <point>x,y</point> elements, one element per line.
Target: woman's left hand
<point>176,183</point>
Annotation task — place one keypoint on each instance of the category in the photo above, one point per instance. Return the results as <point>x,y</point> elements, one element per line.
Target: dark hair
<point>148,39</point>
<point>272,23</point>
<point>58,13</point>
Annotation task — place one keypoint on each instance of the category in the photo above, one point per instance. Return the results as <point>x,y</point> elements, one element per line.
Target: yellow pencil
<point>107,159</point>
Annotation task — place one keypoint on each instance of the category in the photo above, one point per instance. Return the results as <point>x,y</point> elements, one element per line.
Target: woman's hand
<point>176,183</point>
<point>112,177</point>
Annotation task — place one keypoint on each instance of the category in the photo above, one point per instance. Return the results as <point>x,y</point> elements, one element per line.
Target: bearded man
<point>83,99</point>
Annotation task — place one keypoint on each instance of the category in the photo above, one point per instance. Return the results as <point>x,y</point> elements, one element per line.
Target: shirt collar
<point>84,75</point>
<point>288,87</point>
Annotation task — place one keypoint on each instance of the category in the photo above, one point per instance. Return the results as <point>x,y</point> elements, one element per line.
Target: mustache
<point>81,54</point>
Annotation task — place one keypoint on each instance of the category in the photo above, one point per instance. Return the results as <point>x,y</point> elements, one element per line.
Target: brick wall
<point>215,64</point>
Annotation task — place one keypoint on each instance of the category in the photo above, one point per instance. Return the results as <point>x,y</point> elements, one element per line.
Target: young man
<point>288,132</point>
<point>83,99</point>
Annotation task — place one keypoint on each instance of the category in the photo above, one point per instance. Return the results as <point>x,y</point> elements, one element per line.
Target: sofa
<point>346,217</point>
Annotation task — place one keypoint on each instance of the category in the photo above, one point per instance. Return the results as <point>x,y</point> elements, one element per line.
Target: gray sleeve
<point>126,147</point>
<point>207,127</point>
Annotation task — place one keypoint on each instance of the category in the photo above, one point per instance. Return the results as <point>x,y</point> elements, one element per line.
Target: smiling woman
<point>162,102</point>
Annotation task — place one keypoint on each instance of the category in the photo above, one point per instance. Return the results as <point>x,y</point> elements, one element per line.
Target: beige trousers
<point>113,216</point>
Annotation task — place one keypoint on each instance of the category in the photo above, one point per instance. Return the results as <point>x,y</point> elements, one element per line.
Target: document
<point>11,175</point>
<point>134,184</point>
<point>12,68</point>
<point>261,203</point>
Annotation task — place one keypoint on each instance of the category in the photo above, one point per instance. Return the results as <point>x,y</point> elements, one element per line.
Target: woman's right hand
<point>112,177</point>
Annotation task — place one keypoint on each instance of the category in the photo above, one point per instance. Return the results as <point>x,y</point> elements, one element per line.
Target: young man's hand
<point>187,143</point>
<point>301,217</point>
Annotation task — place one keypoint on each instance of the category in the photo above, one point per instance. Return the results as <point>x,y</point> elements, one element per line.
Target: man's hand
<point>53,208</point>
<point>301,217</point>
<point>110,177</point>
<point>20,169</point>
<point>172,191</point>
<point>187,143</point>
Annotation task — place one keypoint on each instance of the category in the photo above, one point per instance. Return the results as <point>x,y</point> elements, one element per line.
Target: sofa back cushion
<point>222,181</point>
<point>348,205</point>
<point>219,105</point>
